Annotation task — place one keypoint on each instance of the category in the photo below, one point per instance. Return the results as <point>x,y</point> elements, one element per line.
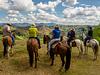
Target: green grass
<point>18,64</point>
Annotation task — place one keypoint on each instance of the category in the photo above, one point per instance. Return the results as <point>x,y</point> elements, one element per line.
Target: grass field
<point>18,63</point>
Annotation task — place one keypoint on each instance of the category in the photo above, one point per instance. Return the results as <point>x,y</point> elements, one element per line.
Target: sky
<point>65,12</point>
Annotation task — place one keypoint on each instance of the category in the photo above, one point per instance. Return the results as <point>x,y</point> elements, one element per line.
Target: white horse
<point>76,43</point>
<point>94,44</point>
<point>79,44</point>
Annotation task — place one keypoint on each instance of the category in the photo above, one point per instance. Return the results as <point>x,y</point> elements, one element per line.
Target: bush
<point>96,33</point>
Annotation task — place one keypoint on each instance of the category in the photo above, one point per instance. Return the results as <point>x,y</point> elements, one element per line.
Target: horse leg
<point>63,62</point>
<point>30,58</point>
<point>47,48</point>
<point>8,51</point>
<point>95,57</point>
<point>36,58</point>
<point>95,54</point>
<point>95,49</point>
<point>52,57</point>
<point>5,50</point>
<point>11,51</point>
<point>86,50</point>
<point>80,51</point>
<point>68,59</point>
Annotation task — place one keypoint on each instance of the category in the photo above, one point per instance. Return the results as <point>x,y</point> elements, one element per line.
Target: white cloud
<point>83,15</point>
<point>23,5</point>
<point>51,5</point>
<point>72,2</point>
<point>87,11</point>
<point>43,15</point>
<point>13,12</point>
<point>69,2</point>
<point>26,5</point>
<point>4,4</point>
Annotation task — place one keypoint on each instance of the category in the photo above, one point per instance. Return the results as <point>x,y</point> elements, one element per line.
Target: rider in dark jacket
<point>71,36</point>
<point>89,35</point>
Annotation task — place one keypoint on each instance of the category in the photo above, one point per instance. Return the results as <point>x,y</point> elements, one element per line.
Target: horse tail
<point>68,59</point>
<point>82,46</point>
<point>96,47</point>
<point>5,43</point>
<point>30,51</point>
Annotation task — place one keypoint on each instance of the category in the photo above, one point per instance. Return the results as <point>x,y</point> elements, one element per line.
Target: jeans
<point>51,42</point>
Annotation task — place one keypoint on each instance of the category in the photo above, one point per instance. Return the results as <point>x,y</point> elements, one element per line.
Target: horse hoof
<point>66,70</point>
<point>51,64</point>
<point>60,70</point>
<point>94,59</point>
<point>35,67</point>
<point>85,54</point>
<point>31,65</point>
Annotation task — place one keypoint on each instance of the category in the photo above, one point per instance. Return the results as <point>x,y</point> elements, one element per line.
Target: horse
<point>76,43</point>
<point>79,44</point>
<point>94,44</point>
<point>46,39</point>
<point>62,49</point>
<point>7,44</point>
<point>32,48</point>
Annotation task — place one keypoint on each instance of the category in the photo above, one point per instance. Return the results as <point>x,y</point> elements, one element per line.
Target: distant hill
<point>28,24</point>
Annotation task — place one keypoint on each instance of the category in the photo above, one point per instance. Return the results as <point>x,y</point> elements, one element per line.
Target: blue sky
<point>66,12</point>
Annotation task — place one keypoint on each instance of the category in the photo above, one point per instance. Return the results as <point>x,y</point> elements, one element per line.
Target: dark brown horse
<point>7,43</point>
<point>32,47</point>
<point>63,50</point>
<point>46,39</point>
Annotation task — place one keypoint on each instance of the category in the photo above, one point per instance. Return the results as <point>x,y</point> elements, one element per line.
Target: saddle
<point>73,43</point>
<point>54,44</point>
<point>88,43</point>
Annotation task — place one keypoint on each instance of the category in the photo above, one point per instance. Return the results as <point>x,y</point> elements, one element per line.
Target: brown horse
<point>46,39</point>
<point>32,47</point>
<point>63,50</point>
<point>7,43</point>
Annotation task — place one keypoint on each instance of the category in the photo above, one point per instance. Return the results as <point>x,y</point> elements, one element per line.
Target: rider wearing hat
<point>7,31</point>
<point>56,33</point>
<point>89,35</point>
<point>33,31</point>
<point>71,35</point>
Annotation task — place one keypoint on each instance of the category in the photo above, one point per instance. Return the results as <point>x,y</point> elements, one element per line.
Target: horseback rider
<point>56,33</point>
<point>7,32</point>
<point>33,31</point>
<point>71,35</point>
<point>89,35</point>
